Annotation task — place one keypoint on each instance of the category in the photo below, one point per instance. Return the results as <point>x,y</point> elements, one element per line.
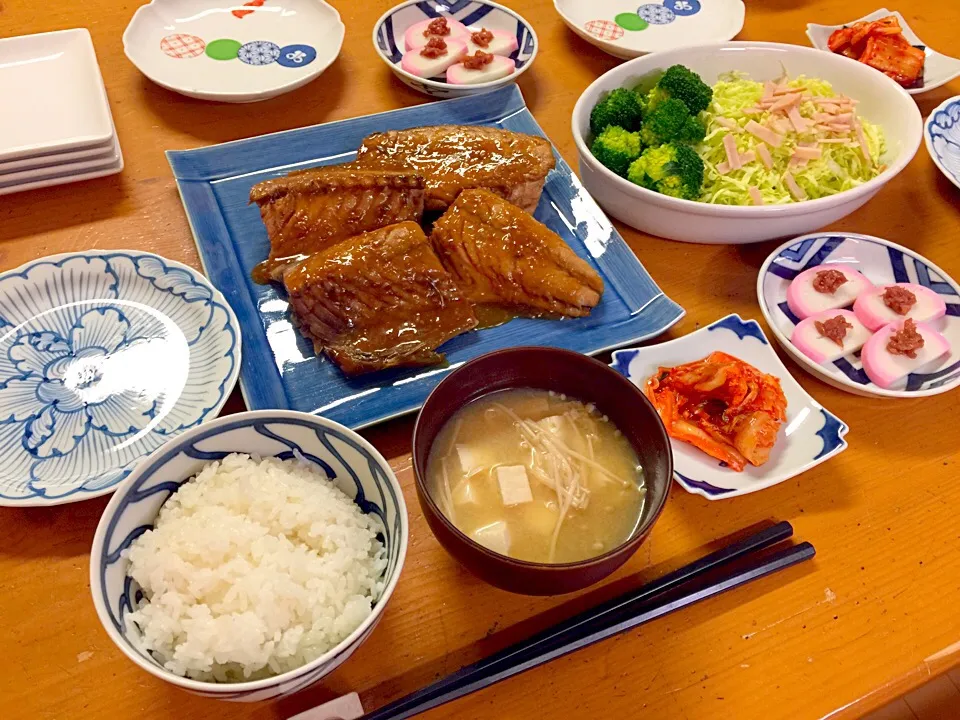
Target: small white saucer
<point>231,51</point>
<point>938,69</point>
<point>628,29</point>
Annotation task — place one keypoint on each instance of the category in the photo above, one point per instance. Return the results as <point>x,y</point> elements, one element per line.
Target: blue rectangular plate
<point>280,369</point>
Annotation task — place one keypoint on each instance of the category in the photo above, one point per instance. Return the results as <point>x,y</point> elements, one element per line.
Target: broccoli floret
<point>622,107</point>
<point>616,148</point>
<point>671,169</point>
<point>683,84</point>
<point>671,122</point>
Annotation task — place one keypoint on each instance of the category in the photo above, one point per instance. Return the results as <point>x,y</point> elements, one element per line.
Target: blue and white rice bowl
<point>810,436</point>
<point>389,30</point>
<point>347,459</point>
<point>941,133</point>
<point>104,356</point>
<point>882,262</point>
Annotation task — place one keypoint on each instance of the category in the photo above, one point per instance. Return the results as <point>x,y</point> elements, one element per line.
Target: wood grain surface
<point>872,616</point>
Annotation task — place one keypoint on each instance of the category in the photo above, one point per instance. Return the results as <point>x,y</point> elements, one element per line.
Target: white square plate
<point>57,158</point>
<point>61,102</point>
<point>105,158</point>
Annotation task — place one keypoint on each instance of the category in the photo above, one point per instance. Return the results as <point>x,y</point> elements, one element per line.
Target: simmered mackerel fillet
<point>308,211</point>
<point>378,300</point>
<point>454,157</point>
<point>500,255</point>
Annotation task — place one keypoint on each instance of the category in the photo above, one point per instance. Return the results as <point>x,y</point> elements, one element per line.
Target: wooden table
<point>874,615</point>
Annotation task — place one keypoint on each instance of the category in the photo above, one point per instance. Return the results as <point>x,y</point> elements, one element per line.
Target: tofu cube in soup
<point>514,485</point>
<point>465,494</point>
<point>495,536</point>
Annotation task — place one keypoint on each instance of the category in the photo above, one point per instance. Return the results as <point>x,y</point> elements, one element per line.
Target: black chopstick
<point>610,618</point>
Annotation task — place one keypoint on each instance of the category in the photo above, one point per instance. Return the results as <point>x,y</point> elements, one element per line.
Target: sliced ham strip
<point>786,90</point>
<point>797,162</point>
<point>723,168</point>
<point>862,139</point>
<point>765,134</point>
<point>753,111</point>
<point>727,123</point>
<point>769,89</point>
<point>792,186</point>
<point>798,122</point>
<point>755,195</point>
<point>733,156</point>
<point>785,103</point>
<point>747,157</point>
<point>808,153</point>
<point>822,117</point>
<point>764,154</point>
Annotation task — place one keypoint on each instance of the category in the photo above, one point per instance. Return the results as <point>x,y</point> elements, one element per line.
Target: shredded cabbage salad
<point>828,157</point>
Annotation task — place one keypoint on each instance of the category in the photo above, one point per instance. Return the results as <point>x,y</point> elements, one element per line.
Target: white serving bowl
<point>882,101</point>
<point>389,30</point>
<point>359,470</point>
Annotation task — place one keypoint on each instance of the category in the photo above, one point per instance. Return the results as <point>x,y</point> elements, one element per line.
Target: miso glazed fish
<point>381,299</point>
<point>308,211</point>
<point>500,255</point>
<point>455,157</point>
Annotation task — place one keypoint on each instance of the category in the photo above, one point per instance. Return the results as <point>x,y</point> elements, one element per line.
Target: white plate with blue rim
<point>810,436</point>
<point>882,262</point>
<point>103,357</point>
<point>938,69</point>
<point>389,31</point>
<point>628,29</point>
<point>942,135</point>
<point>234,52</point>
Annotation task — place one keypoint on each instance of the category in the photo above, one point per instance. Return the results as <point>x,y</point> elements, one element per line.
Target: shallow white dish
<point>882,262</point>
<point>104,357</point>
<point>68,177</point>
<point>938,69</point>
<point>942,135</point>
<point>103,160</point>
<point>882,101</point>
<point>231,51</point>
<point>624,30</point>
<point>389,30</point>
<point>58,158</point>
<point>54,95</point>
<point>355,466</point>
<point>811,435</point>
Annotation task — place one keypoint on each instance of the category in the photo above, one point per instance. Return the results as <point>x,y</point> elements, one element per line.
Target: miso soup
<point>537,476</point>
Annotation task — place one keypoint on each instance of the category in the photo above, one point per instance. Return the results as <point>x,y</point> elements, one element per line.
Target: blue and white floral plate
<point>389,30</point>
<point>942,135</point>
<point>811,435</point>
<point>103,357</point>
<point>938,69</point>
<point>882,262</point>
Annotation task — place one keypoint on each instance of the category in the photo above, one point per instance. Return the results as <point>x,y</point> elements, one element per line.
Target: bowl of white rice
<point>247,558</point>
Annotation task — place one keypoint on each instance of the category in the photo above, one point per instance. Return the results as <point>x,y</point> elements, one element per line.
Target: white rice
<point>254,567</point>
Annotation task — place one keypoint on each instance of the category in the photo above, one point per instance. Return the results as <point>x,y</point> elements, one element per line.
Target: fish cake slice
<point>456,157</point>
<point>309,210</point>
<point>380,299</point>
<point>500,255</point>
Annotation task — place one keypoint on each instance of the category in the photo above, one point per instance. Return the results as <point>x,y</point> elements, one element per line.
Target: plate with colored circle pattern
<point>629,29</point>
<point>233,52</point>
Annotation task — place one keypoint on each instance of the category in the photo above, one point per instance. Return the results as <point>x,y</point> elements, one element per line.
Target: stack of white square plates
<point>56,125</point>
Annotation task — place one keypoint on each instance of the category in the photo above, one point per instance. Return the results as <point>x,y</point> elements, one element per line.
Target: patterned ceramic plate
<point>389,30</point>
<point>103,357</point>
<point>811,435</point>
<point>942,135</point>
<point>233,51</point>
<point>630,28</point>
<point>882,262</point>
<point>281,369</point>
<point>938,69</point>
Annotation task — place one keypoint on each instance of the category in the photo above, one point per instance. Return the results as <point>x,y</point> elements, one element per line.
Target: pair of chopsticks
<point>728,568</point>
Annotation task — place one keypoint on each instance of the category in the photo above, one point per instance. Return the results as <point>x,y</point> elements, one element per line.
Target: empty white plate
<point>24,176</point>
<point>58,158</point>
<point>61,103</point>
<point>938,69</point>
<point>233,51</point>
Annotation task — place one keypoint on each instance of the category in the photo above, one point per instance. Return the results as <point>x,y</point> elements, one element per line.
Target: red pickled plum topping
<point>827,281</point>
<point>906,341</point>
<point>899,299</point>
<point>437,27</point>
<point>482,37</point>
<point>477,60</point>
<point>834,329</point>
<point>435,47</point>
